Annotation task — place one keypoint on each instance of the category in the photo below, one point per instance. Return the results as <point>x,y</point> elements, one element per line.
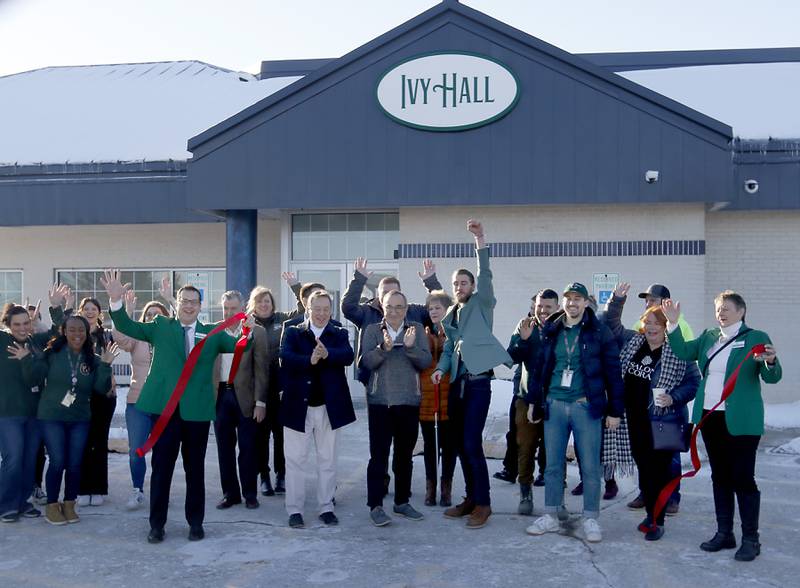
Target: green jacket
<point>480,350</point>
<point>167,338</point>
<point>18,398</point>
<point>744,408</point>
<point>55,367</point>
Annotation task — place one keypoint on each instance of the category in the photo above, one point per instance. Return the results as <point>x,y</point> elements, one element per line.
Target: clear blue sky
<point>238,34</point>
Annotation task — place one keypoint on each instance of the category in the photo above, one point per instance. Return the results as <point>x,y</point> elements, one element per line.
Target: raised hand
<point>388,343</point>
<point>428,269</point>
<point>361,267</point>
<point>114,287</point>
<point>109,353</point>
<point>290,278</point>
<point>621,290</point>
<point>526,328</point>
<point>18,351</point>
<point>70,299</point>
<point>34,314</point>
<point>130,302</point>
<point>57,294</point>
<point>410,337</point>
<point>671,310</point>
<point>475,227</point>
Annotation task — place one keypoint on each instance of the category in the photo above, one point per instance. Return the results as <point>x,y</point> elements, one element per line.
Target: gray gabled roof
<point>196,143</point>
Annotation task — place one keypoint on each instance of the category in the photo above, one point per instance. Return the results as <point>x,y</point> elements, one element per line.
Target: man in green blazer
<point>470,354</point>
<point>187,431</point>
<point>731,432</point>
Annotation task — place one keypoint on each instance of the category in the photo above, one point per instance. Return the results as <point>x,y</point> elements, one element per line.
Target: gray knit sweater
<point>394,377</point>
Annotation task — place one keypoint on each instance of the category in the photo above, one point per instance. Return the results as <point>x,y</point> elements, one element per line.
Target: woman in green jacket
<point>73,373</point>
<point>732,432</point>
<point>19,431</point>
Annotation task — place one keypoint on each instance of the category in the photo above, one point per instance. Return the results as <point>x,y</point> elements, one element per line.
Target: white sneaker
<point>84,500</point>
<point>136,500</point>
<point>38,496</point>
<point>96,500</point>
<point>591,528</point>
<point>544,524</point>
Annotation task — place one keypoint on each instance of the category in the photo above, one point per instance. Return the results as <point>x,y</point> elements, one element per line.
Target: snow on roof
<point>759,100</point>
<point>124,112</point>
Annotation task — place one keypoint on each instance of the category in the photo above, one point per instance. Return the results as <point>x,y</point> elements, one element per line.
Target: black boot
<point>724,537</point>
<point>749,508</point>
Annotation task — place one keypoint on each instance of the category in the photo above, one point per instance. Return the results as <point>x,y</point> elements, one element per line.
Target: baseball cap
<point>578,288</point>
<point>657,291</point>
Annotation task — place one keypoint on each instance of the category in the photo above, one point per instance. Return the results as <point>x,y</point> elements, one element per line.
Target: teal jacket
<point>744,408</point>
<point>480,350</point>
<point>167,338</point>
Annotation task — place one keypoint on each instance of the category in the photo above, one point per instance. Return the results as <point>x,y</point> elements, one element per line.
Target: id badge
<point>68,399</point>
<point>566,378</point>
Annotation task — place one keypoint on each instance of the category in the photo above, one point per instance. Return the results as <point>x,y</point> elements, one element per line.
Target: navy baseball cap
<point>656,291</point>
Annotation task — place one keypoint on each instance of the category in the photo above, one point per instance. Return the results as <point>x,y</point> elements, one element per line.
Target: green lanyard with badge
<point>70,396</point>
<point>566,375</point>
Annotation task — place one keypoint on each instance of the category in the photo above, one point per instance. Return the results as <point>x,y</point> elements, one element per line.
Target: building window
<point>11,287</point>
<point>147,284</point>
<point>343,237</point>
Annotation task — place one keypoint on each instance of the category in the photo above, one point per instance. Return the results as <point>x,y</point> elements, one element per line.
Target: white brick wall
<point>517,279</point>
<point>758,255</point>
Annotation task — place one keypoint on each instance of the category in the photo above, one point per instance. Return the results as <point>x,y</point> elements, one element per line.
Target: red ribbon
<point>727,390</point>
<point>186,374</point>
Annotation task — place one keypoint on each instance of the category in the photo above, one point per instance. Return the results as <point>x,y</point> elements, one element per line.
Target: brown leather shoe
<point>479,516</point>
<point>446,499</point>
<point>53,514</point>
<point>69,512</point>
<point>430,492</point>
<point>460,510</point>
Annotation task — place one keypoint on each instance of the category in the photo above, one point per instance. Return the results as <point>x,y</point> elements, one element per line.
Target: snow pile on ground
<point>790,448</point>
<point>782,416</point>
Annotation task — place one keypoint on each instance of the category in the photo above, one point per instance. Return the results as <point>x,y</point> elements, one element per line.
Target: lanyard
<point>570,349</point>
<point>73,367</point>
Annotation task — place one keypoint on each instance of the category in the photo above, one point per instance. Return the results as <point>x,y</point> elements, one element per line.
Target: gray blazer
<point>394,375</point>
<point>251,380</point>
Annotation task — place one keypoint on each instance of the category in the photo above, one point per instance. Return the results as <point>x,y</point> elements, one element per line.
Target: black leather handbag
<point>669,436</point>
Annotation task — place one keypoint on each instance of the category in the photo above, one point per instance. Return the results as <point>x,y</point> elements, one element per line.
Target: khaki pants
<point>528,436</point>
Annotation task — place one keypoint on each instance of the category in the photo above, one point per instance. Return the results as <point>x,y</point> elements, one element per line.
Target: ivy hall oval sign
<point>447,91</point>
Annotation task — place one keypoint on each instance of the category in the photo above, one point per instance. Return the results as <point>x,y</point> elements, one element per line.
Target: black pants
<point>40,460</point>
<point>94,467</point>
<point>271,427</point>
<point>733,463</point>
<point>446,444</point>
<point>511,458</point>
<point>231,427</point>
<point>388,425</point>
<point>655,467</point>
<point>190,439</point>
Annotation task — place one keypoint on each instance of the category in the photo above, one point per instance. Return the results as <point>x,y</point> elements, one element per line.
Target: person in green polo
<point>187,431</point>
<point>734,427</point>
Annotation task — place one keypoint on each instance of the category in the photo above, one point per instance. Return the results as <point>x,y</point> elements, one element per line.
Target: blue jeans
<point>468,406</point>
<point>19,443</point>
<point>563,418</point>
<point>139,424</point>
<point>65,441</point>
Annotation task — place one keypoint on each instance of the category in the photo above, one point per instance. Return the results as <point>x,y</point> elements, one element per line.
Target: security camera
<point>751,186</point>
<point>651,176</point>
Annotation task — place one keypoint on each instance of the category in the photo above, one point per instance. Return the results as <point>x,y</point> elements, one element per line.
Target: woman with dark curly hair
<point>73,373</point>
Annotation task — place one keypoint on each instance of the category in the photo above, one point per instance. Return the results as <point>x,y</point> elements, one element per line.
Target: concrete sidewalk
<point>256,548</point>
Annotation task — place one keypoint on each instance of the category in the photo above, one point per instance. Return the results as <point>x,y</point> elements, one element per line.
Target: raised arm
<point>484,287</point>
<point>122,322</point>
<point>683,349</point>
<point>352,308</point>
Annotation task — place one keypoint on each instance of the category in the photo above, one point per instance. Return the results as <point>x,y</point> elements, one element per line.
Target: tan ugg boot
<point>69,512</point>
<point>53,514</point>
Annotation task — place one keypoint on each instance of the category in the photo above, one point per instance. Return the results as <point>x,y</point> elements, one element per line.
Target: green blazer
<point>166,337</point>
<point>744,408</point>
<point>480,350</point>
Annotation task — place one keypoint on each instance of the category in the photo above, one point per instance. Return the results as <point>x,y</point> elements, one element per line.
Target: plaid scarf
<point>615,455</point>
<point>672,368</point>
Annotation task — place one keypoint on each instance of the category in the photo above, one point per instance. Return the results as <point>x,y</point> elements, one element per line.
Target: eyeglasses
<point>185,302</point>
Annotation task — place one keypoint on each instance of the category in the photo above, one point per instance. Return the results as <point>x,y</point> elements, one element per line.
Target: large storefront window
<point>147,284</point>
<point>11,287</point>
<point>343,237</point>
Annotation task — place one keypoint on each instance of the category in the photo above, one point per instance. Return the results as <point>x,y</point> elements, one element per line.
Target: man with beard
<point>470,355</point>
